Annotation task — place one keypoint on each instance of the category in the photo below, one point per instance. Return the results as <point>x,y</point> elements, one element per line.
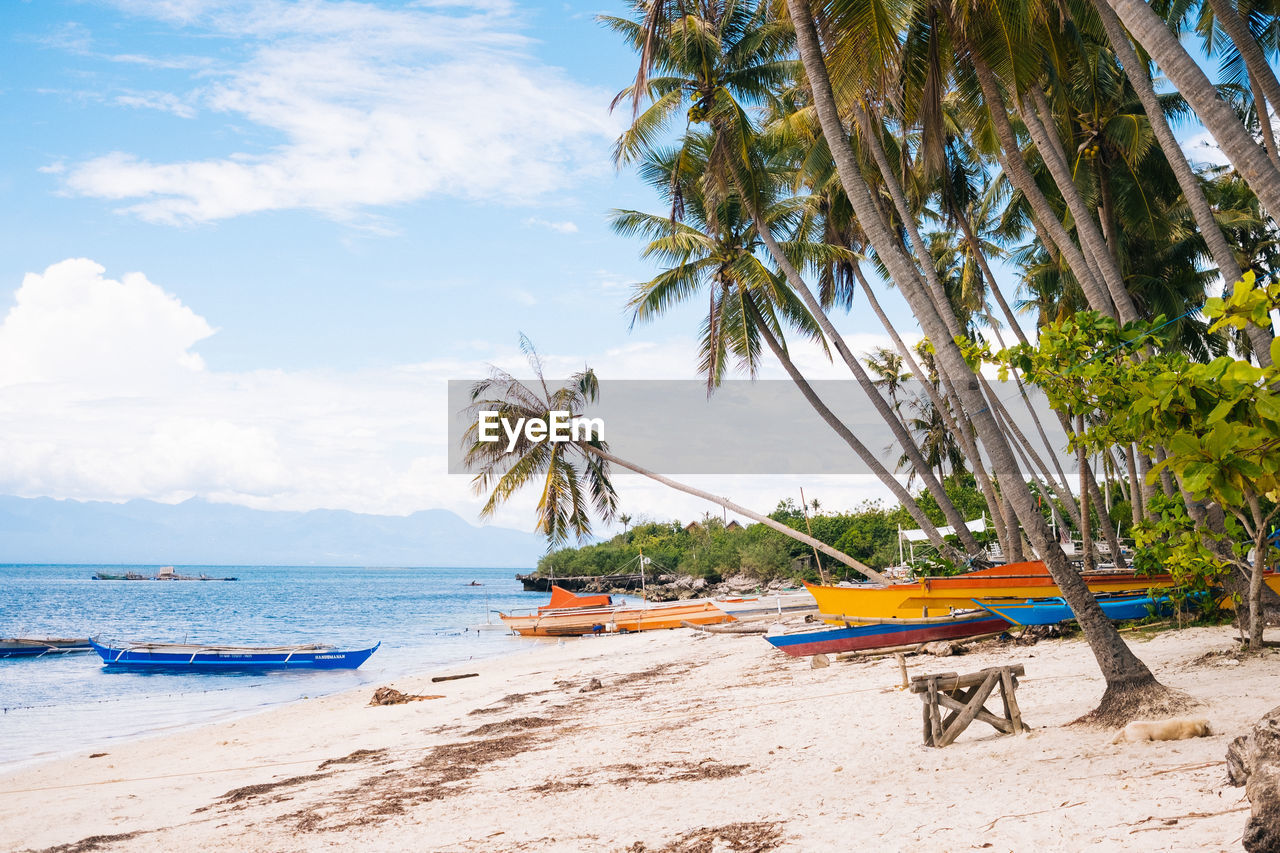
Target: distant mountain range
<point>196,532</point>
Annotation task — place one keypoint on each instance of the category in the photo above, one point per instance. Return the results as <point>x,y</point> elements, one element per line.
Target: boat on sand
<point>1051,611</point>
<point>571,615</point>
<point>941,595</point>
<point>886,633</point>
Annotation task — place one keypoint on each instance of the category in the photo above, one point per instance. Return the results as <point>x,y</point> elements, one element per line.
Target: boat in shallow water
<point>37,647</point>
<point>570,615</point>
<point>885,633</point>
<point>193,657</point>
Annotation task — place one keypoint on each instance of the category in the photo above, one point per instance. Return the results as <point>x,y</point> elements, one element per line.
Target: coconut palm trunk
<point>976,465</point>
<point>1149,30</point>
<point>1261,76</point>
<point>1214,239</point>
<point>575,483</point>
<point>1265,127</point>
<point>823,547</point>
<point>1086,523</point>
<point>1137,500</point>
<point>797,283</point>
<point>1130,685</point>
<point>1064,496</point>
<point>863,452</point>
<point>1009,427</point>
<point>1105,524</point>
<point>871,139</point>
<point>1043,135</point>
<point>1015,169</point>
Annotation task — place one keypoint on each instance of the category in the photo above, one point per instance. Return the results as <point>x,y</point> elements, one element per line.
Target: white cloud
<point>560,227</point>
<point>375,107</point>
<point>103,396</point>
<point>163,101</point>
<point>71,326</point>
<point>1203,149</point>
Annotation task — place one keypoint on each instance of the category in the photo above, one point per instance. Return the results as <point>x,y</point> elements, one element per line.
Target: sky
<point>243,246</point>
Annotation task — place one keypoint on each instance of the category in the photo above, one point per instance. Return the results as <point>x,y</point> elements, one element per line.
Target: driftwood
<point>1253,760</point>
<point>728,627</point>
<point>455,677</point>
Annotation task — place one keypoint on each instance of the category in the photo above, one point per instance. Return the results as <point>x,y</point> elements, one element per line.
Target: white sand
<point>689,735</point>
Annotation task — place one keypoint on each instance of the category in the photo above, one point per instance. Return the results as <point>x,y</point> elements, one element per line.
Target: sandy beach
<point>692,742</point>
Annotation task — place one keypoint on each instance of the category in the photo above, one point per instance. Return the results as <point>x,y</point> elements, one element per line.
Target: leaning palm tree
<point>1151,32</point>
<point>1131,687</point>
<point>722,58</point>
<point>574,475</point>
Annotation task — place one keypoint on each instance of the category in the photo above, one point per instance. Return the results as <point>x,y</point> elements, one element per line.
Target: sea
<point>426,619</point>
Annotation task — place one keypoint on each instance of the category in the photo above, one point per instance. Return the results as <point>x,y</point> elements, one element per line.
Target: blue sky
<point>324,273</point>
<point>244,244</point>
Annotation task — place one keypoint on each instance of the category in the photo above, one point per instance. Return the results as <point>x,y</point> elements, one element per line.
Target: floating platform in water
<point>165,574</point>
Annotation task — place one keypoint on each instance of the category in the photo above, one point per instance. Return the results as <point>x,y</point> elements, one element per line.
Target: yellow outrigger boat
<point>940,595</point>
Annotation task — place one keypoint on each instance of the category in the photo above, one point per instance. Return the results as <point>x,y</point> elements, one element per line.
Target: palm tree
<point>1130,684</point>
<point>715,249</point>
<point>574,476</point>
<point>1256,72</point>
<point>887,366</point>
<point>722,56</point>
<point>1208,227</point>
<point>1150,30</point>
<point>626,522</point>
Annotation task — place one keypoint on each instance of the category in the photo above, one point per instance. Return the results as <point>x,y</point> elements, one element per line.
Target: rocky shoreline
<point>673,587</point>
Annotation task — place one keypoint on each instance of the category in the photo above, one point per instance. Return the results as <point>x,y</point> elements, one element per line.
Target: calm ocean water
<point>424,617</point>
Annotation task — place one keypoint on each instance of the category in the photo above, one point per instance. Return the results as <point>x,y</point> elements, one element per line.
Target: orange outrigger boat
<point>570,615</point>
<point>840,604</point>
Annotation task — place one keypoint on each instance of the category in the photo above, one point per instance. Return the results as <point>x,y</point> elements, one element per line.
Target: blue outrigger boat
<point>874,633</point>
<point>38,647</point>
<point>190,657</point>
<point>1051,611</point>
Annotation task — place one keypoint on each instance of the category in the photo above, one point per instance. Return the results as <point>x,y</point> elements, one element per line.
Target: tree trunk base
<point>1127,701</point>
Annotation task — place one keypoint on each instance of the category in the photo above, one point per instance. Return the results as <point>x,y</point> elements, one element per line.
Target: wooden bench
<point>965,697</point>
